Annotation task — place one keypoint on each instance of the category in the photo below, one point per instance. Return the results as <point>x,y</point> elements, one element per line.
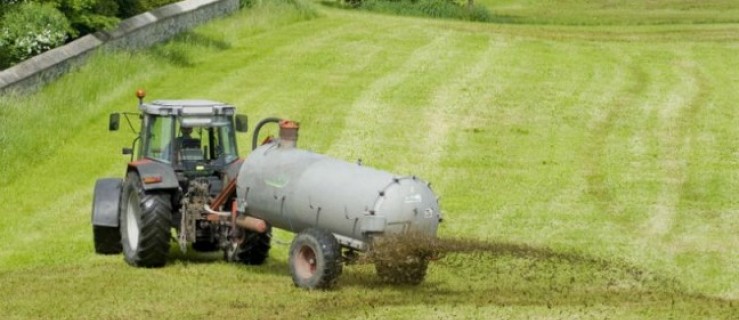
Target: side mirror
<point>242,123</point>
<point>114,122</point>
<point>127,151</point>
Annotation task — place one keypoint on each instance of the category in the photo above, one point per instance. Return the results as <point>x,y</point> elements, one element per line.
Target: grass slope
<point>598,163</point>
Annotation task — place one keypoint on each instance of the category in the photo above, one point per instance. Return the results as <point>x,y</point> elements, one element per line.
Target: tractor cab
<point>194,137</point>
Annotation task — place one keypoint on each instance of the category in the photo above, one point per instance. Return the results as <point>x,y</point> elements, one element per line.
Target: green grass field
<point>598,162</point>
<point>614,12</point>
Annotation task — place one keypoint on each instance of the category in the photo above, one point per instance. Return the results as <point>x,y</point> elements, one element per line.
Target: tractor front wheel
<point>145,224</point>
<point>315,259</point>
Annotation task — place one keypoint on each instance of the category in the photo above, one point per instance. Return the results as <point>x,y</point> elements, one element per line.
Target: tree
<point>29,28</point>
<point>87,16</point>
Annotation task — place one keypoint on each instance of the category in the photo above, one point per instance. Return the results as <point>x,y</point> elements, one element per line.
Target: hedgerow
<point>29,27</point>
<point>448,9</point>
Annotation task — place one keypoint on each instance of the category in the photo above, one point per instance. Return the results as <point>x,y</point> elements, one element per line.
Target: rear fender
<point>105,202</point>
<point>154,175</point>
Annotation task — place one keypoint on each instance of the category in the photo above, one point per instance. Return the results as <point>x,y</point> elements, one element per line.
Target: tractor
<point>182,174</point>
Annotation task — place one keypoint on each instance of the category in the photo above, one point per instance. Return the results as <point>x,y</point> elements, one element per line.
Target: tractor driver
<point>184,141</point>
<point>186,134</point>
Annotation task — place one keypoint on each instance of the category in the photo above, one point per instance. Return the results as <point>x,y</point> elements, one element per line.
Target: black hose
<point>259,127</point>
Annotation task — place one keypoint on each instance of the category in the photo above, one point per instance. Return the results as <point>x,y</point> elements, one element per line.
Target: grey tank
<point>294,189</point>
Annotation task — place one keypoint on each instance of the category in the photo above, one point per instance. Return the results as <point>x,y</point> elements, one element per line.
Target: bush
<point>303,8</point>
<point>449,9</point>
<point>28,29</point>
<point>87,16</point>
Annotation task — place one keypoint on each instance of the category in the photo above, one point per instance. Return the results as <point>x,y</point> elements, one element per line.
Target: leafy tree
<point>29,28</point>
<point>129,8</point>
<point>87,16</point>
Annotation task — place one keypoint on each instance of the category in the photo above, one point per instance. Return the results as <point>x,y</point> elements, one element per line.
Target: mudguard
<point>105,201</point>
<point>155,175</point>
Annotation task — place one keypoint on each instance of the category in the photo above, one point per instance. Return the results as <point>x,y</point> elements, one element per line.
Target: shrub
<point>449,9</point>
<point>303,8</point>
<point>87,16</point>
<point>28,29</point>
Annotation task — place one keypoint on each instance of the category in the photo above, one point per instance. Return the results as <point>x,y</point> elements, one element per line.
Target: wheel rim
<point>305,262</point>
<point>132,224</point>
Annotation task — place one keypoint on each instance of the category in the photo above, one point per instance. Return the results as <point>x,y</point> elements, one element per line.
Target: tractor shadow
<point>271,266</point>
<point>192,256</point>
<point>479,274</point>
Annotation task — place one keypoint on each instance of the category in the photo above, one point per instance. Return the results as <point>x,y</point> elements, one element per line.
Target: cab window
<point>157,143</point>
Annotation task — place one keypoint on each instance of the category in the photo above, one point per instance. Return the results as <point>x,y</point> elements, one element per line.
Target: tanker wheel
<point>145,224</point>
<point>249,247</point>
<point>107,240</point>
<point>315,259</point>
<point>409,270</point>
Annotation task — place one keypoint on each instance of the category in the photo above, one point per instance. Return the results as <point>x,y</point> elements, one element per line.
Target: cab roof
<point>187,107</point>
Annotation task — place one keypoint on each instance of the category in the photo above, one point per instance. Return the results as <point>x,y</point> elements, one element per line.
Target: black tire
<point>145,224</point>
<point>107,240</point>
<point>411,270</point>
<point>249,247</point>
<point>315,259</point>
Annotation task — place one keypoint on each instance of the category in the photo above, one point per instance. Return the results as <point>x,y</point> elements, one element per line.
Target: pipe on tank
<point>250,223</point>
<point>259,127</point>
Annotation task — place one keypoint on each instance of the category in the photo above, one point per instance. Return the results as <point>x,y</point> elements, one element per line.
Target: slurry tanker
<point>185,174</point>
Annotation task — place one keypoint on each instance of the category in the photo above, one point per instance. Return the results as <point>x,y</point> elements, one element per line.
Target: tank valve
<point>288,133</point>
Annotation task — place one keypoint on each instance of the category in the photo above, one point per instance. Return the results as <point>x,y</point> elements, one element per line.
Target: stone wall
<point>137,32</point>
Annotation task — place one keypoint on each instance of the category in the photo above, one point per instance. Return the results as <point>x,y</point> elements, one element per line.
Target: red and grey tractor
<point>182,175</point>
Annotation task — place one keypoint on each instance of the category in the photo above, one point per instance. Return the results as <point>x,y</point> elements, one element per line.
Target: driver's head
<point>186,130</point>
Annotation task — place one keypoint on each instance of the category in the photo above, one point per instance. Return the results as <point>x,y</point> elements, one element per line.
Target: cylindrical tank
<point>294,189</point>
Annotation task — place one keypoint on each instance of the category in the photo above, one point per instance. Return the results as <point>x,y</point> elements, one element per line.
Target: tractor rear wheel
<point>249,247</point>
<point>315,259</point>
<point>107,240</point>
<point>145,224</point>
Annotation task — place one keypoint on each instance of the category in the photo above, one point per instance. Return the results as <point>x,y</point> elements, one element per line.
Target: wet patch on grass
<point>473,274</point>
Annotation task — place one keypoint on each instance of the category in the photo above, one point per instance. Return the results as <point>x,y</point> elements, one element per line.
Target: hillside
<point>598,163</point>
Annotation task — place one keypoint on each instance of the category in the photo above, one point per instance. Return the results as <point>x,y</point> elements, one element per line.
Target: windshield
<point>190,139</point>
